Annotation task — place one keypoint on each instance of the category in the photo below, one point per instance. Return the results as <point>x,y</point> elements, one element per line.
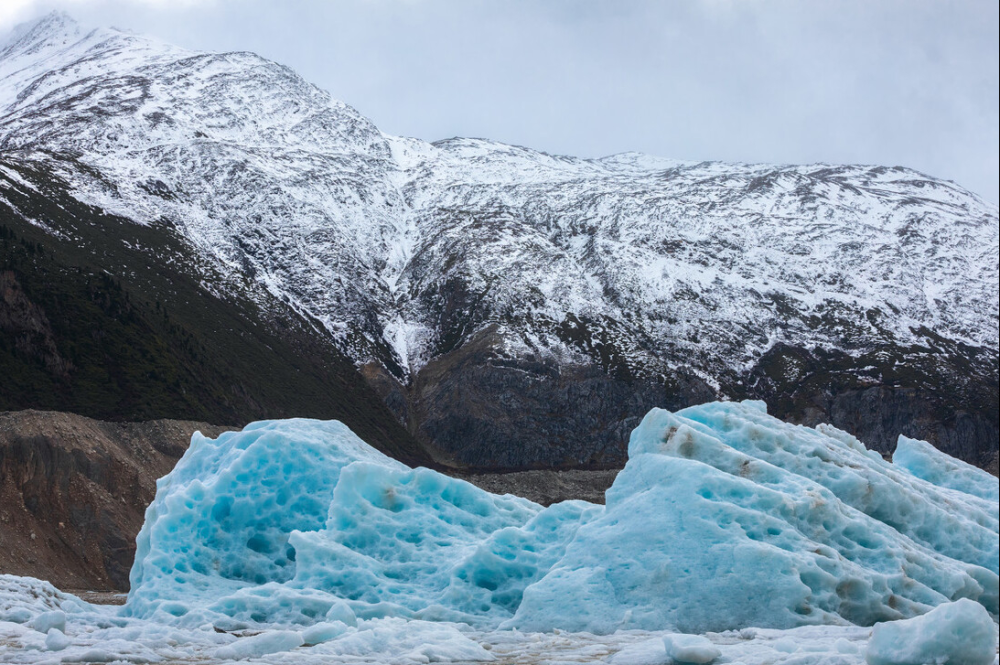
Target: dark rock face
<point>946,395</point>
<point>530,415</point>
<point>546,486</point>
<point>476,409</point>
<point>27,326</point>
<point>73,493</point>
<point>878,415</point>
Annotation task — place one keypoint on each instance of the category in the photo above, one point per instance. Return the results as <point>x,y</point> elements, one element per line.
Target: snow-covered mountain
<point>517,308</point>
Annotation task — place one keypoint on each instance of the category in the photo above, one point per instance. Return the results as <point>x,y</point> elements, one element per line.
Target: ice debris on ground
<point>959,633</point>
<point>690,649</point>
<point>99,634</point>
<point>295,538</point>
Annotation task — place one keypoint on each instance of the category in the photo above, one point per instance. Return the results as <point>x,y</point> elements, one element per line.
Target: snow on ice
<point>294,541</point>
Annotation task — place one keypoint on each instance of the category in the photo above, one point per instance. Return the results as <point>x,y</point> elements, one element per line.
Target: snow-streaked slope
<point>717,259</point>
<point>401,247</point>
<point>514,299</point>
<point>263,171</point>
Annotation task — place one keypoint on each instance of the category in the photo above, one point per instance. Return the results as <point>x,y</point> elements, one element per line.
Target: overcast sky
<point>907,82</point>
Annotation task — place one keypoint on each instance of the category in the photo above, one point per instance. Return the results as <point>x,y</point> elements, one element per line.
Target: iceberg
<point>723,518</point>
<point>222,517</point>
<point>690,649</point>
<point>294,541</point>
<point>264,644</point>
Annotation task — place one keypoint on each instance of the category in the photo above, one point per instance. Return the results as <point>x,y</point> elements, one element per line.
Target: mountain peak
<point>54,29</point>
<point>55,20</point>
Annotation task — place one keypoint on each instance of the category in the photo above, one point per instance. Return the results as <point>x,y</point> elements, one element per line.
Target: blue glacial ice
<point>724,517</point>
<point>925,461</point>
<point>294,541</point>
<point>222,517</point>
<point>690,649</point>
<point>959,633</point>
<point>417,544</point>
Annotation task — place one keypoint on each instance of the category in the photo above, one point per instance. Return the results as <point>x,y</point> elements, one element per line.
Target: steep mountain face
<point>516,309</point>
<point>116,320</point>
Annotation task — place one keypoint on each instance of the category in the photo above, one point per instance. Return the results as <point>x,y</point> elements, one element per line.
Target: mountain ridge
<point>464,274</point>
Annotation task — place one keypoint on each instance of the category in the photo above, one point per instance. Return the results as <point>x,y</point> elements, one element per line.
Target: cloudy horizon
<point>911,83</point>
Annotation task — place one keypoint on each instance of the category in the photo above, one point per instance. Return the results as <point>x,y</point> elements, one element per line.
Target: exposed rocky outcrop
<point>946,396</point>
<point>480,409</point>
<point>26,325</point>
<point>546,486</point>
<point>74,491</point>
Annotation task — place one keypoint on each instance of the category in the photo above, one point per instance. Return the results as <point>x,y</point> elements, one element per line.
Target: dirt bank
<point>73,492</point>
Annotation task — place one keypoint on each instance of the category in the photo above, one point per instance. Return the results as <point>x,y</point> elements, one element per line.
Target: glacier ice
<point>724,517</point>
<point>46,621</point>
<point>400,540</point>
<point>104,634</point>
<point>323,632</point>
<point>100,634</point>
<point>959,633</point>
<point>263,644</point>
<point>222,517</point>
<point>925,461</point>
<point>690,649</point>
<point>56,640</point>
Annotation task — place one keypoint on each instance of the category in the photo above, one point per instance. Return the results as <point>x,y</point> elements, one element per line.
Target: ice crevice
<point>724,518</point>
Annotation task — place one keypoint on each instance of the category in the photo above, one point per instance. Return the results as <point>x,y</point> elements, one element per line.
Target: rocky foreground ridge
<point>512,309</point>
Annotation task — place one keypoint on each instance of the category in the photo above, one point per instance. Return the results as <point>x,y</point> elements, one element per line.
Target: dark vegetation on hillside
<point>105,318</point>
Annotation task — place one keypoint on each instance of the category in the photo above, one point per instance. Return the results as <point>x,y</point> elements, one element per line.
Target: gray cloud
<point>908,82</point>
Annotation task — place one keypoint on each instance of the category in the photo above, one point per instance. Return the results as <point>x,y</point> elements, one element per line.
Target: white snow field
<point>729,537</point>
